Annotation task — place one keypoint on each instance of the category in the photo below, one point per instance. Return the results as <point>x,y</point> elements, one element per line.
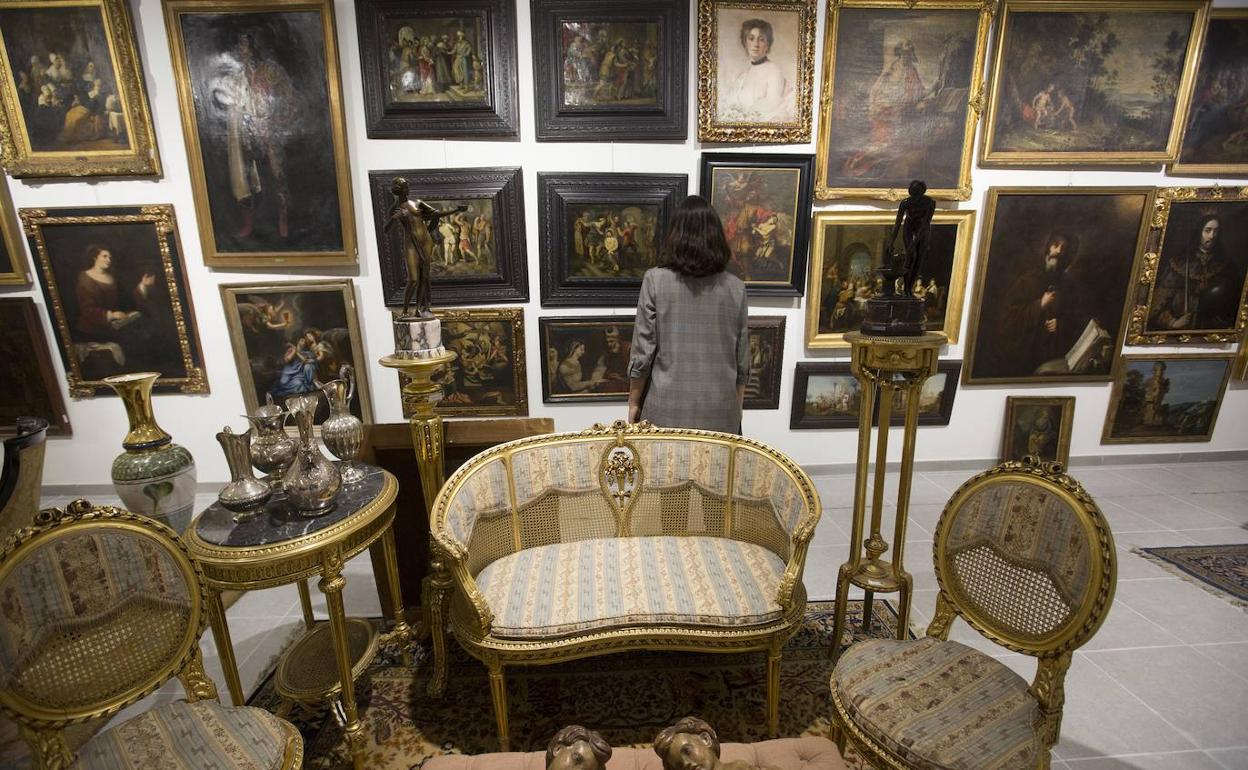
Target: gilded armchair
<point>1025,557</point>
<point>98,608</point>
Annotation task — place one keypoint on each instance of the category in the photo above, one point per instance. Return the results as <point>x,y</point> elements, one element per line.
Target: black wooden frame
<point>801,380</point>
<point>773,325</point>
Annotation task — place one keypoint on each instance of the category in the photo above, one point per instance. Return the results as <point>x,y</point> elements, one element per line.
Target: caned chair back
<point>98,608</point>
<point>1024,555</point>
<point>21,475</point>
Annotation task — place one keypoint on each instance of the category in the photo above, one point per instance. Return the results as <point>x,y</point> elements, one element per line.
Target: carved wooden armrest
<point>455,562</point>
<point>800,544</point>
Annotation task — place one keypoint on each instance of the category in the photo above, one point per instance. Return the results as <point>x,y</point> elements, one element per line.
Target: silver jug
<point>343,432</point>
<point>312,481</point>
<point>245,494</point>
<point>272,450</point>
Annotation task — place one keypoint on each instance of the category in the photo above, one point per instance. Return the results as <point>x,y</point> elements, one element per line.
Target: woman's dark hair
<point>695,243</point>
<point>91,252</point>
<point>761,26</point>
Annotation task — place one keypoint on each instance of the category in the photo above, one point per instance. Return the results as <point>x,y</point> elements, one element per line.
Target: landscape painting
<point>825,395</point>
<point>585,359</point>
<point>1166,399</point>
<point>1216,139</point>
<point>935,398</point>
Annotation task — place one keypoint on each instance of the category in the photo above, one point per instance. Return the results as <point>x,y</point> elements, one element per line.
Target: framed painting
<point>266,140</point>
<point>609,72</point>
<point>1117,92</point>
<point>12,252</point>
<point>1038,426</point>
<point>1241,359</point>
<point>71,85</point>
<point>1215,140</point>
<point>29,388</point>
<point>440,68</point>
<point>487,377</point>
<point>902,81</point>
<point>585,359</point>
<point>850,245</point>
<point>288,336</point>
<point>116,293</point>
<point>1166,398</point>
<point>764,202</point>
<point>481,251</point>
<point>756,62</point>
<point>1055,269</point>
<point>762,389</point>
<point>826,394</point>
<point>935,398</point>
<point>1192,285</point>
<point>599,233</point>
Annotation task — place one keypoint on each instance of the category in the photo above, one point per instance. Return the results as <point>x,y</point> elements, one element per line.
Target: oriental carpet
<point>1221,569</point>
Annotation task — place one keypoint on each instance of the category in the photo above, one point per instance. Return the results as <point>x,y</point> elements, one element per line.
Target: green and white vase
<point>154,476</point>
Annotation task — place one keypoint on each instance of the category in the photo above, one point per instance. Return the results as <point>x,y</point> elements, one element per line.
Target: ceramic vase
<point>272,450</point>
<point>245,493</point>
<point>154,476</point>
<point>343,432</point>
<point>312,482</point>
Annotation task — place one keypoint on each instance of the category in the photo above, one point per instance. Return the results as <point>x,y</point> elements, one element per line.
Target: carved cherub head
<point>577,748</point>
<point>690,744</point>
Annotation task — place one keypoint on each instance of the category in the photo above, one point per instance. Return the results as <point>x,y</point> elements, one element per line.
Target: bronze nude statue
<point>691,744</point>
<point>417,219</point>
<point>577,748</point>
<point>914,220</point>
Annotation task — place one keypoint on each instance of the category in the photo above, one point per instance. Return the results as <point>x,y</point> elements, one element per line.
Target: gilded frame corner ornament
<point>141,159</point>
<point>711,128</point>
<point>975,100</point>
<point>1138,331</point>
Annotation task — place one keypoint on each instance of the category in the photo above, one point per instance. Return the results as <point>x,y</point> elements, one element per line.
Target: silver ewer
<point>272,449</point>
<point>312,482</point>
<point>343,432</point>
<point>245,494</point>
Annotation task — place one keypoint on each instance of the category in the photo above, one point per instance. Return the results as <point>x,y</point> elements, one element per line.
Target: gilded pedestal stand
<point>883,366</point>
<point>420,395</point>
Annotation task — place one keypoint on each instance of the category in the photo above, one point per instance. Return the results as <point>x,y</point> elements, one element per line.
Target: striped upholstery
<point>602,583</point>
<point>189,736</point>
<point>940,705</point>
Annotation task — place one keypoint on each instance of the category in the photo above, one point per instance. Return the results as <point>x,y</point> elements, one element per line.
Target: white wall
<point>99,424</point>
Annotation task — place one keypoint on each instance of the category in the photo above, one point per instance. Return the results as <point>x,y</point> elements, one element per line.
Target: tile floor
<point>1163,684</point>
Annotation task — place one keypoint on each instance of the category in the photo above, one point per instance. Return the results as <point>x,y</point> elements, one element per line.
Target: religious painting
<point>610,73</point>
<point>1115,89</point>
<point>826,394</point>
<point>585,359</point>
<point>599,233</point>
<point>756,64</point>
<point>1055,270</point>
<point>262,116</point>
<point>764,202</point>
<point>935,398</point>
<point>1216,139</point>
<point>1196,290</point>
<point>74,103</point>
<point>901,81</point>
<point>1166,398</point>
<point>29,387</point>
<point>1038,426</point>
<point>480,254</point>
<point>289,337</point>
<point>438,68</point>
<point>116,294</point>
<point>762,389</point>
<point>849,247</point>
<point>12,251</point>
<point>487,377</point>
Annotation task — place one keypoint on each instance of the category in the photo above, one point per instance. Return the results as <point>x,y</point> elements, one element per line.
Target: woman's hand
<point>634,413</point>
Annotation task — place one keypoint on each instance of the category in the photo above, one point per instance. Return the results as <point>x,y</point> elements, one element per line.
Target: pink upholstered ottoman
<point>811,753</point>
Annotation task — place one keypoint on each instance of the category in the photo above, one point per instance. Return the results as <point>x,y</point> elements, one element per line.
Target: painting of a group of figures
<point>584,359</point>
<point>436,59</point>
<point>613,62</point>
<point>613,240</point>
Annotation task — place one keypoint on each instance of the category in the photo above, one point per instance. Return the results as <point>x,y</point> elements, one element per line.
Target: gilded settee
<point>620,538</point>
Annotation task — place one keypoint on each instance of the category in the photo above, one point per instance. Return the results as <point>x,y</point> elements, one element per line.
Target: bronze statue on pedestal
<point>893,314</point>
<point>417,219</point>
<point>914,220</point>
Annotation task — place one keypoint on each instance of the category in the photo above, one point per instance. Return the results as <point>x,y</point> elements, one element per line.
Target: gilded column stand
<point>420,395</point>
<point>883,366</point>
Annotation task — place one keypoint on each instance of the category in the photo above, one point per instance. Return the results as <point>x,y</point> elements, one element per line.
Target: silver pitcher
<point>272,450</point>
<point>245,493</point>
<point>343,432</point>
<point>312,481</point>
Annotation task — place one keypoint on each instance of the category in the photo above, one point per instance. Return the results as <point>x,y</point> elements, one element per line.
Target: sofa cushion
<point>939,705</point>
<point>809,753</point>
<point>568,588</point>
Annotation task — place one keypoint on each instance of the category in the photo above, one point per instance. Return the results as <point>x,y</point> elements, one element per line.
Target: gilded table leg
<point>840,609</point>
<point>331,585</point>
<point>401,632</point>
<point>498,692</point>
<point>305,602</point>
<point>773,690</point>
<point>225,647</point>
<point>439,594</point>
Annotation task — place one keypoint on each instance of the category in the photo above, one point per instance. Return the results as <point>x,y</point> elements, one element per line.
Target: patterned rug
<point>627,697</point>
<point>1224,568</point>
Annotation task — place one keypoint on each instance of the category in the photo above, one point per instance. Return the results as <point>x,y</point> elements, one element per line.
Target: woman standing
<point>690,354</point>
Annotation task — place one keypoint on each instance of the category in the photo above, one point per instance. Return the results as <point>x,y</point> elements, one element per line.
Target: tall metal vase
<point>343,432</point>
<point>312,482</point>
<point>154,476</point>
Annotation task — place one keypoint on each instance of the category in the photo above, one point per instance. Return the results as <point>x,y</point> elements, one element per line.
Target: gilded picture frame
<point>1123,130</point>
<point>723,114</point>
<point>1166,398</point>
<point>939,123</point>
<point>271,192</point>
<point>585,358</point>
<point>1240,370</point>
<point>1192,288</point>
<point>834,295</point>
<point>487,377</point>
<point>287,334</point>
<point>762,389</point>
<point>111,134</point>
<point>116,290</point>
<point>1035,415</point>
<point>1214,119</point>
<point>30,387</point>
<point>13,270</point>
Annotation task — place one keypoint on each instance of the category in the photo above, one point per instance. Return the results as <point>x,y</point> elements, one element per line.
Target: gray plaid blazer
<point>692,340</point>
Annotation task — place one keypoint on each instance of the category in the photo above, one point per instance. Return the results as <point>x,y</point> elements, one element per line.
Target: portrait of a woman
<point>761,92</point>
<point>112,319</point>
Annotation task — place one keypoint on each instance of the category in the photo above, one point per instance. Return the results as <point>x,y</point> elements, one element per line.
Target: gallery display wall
<point>975,424</point>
